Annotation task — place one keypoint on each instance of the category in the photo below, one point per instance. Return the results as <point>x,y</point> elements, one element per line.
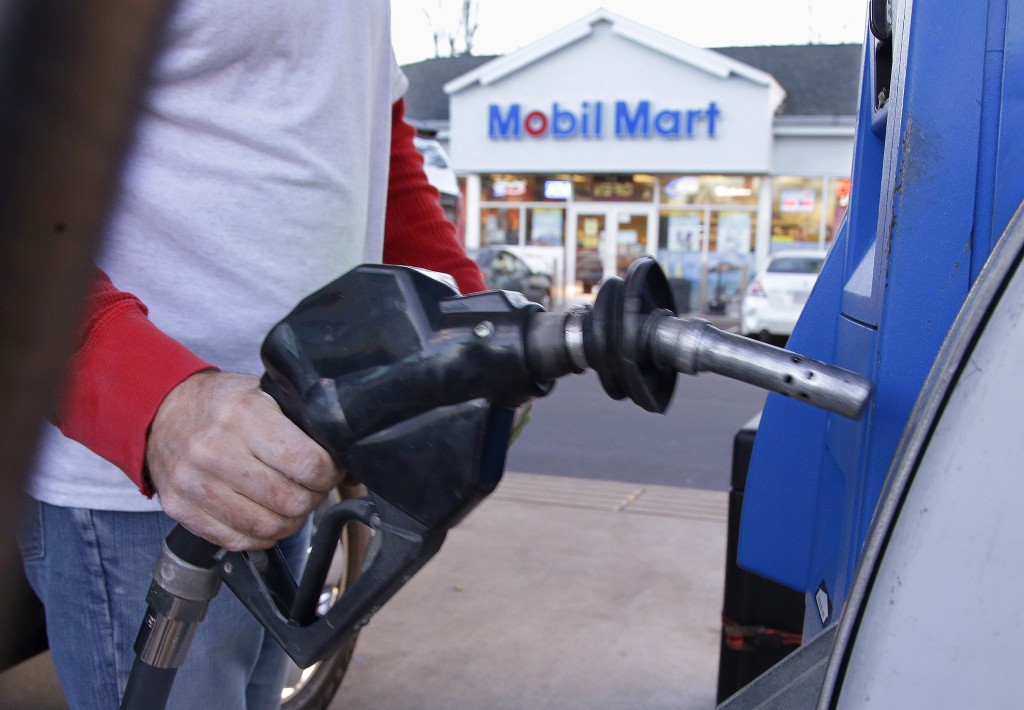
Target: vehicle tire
<point>315,687</point>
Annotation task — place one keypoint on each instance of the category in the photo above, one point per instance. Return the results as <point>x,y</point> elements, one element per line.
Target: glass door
<point>730,258</point>
<point>590,232</point>
<point>630,239</point>
<point>681,253</point>
<point>608,239</point>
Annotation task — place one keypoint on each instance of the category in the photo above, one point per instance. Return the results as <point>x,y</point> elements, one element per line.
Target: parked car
<point>504,270</point>
<point>439,172</point>
<point>775,298</point>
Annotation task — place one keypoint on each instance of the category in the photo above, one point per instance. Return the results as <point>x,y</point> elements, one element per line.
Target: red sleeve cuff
<point>117,380</point>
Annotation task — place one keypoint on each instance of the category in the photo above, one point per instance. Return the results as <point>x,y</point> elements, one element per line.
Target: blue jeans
<point>92,569</point>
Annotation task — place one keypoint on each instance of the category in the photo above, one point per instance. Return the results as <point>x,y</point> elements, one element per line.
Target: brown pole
<point>71,77</point>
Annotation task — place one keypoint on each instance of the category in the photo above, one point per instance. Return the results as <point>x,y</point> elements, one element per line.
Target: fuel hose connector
<point>185,580</point>
<point>177,601</point>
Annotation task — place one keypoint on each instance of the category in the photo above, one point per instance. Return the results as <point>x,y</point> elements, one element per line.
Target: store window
<point>707,254</point>
<point>499,225</point>
<point>524,209</point>
<point>545,226</point>
<point>709,190</point>
<point>680,253</point>
<point>838,201</point>
<point>507,188</point>
<point>525,188</point>
<point>796,212</point>
<point>613,188</point>
<point>731,231</point>
<point>730,258</point>
<point>630,240</point>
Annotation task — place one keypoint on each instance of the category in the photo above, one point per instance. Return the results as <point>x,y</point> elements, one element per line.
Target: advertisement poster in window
<point>684,232</point>
<point>733,233</point>
<point>546,227</point>
<point>797,201</point>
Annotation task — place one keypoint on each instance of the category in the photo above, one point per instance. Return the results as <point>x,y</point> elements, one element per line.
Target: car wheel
<point>313,688</point>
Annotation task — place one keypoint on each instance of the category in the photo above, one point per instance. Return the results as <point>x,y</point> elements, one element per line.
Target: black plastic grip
<point>191,548</point>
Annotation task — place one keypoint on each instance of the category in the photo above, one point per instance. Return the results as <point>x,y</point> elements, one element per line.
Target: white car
<point>439,172</point>
<point>774,299</point>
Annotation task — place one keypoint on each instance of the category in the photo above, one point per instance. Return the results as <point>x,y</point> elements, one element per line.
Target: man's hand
<point>230,467</point>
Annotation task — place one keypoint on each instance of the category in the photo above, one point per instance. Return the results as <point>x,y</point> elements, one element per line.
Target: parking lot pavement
<point>554,593</point>
<point>557,593</point>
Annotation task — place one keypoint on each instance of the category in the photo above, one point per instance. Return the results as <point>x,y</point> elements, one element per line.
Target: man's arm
<point>226,462</point>
<point>416,232</point>
<point>121,370</point>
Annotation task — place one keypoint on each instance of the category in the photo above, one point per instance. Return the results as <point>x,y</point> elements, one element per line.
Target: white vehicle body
<point>440,174</point>
<point>776,296</point>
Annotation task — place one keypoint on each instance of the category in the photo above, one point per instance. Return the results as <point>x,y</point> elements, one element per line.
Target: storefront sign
<point>508,188</point>
<point>797,201</point>
<point>640,119</point>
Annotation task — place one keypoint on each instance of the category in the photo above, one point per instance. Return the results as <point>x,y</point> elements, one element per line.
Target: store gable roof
<point>819,79</point>
<point>425,101</point>
<point>716,64</point>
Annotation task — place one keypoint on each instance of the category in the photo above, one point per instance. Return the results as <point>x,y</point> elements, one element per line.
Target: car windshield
<point>431,155</point>
<point>481,256</point>
<point>796,265</point>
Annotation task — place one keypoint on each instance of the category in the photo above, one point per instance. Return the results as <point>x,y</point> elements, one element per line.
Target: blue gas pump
<point>938,172</point>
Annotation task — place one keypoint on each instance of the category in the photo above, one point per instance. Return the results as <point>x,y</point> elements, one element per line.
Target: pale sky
<point>505,25</point>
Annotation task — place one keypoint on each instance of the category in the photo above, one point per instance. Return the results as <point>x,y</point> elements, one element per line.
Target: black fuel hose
<point>148,686</point>
<point>184,582</point>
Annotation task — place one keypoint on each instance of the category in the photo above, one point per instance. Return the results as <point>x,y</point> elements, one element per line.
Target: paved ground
<point>555,593</point>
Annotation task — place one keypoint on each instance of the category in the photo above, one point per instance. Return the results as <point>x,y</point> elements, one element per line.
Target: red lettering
<point>535,123</point>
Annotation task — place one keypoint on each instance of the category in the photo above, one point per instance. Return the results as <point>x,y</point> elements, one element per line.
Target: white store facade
<point>608,140</point>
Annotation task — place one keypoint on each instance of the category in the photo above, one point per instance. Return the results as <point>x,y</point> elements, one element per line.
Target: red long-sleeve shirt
<point>124,366</point>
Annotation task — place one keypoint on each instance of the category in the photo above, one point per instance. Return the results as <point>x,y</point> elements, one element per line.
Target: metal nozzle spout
<point>692,346</point>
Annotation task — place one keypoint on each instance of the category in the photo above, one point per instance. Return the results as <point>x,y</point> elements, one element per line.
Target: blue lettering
<point>691,118</point>
<point>632,120</point>
<point>668,124</point>
<point>638,123</point>
<point>563,123</point>
<point>503,127</point>
<point>712,113</point>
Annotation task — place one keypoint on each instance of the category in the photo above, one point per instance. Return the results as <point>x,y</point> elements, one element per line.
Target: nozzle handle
<point>265,586</point>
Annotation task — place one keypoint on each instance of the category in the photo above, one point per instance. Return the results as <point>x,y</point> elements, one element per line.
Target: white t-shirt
<point>258,174</point>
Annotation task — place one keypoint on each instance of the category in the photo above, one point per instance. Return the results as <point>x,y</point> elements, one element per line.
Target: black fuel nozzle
<point>411,388</point>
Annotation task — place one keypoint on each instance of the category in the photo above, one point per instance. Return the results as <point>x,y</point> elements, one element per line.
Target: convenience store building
<point>608,140</point>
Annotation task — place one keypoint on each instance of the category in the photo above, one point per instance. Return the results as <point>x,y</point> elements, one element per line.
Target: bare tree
<point>468,24</point>
<point>453,24</point>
